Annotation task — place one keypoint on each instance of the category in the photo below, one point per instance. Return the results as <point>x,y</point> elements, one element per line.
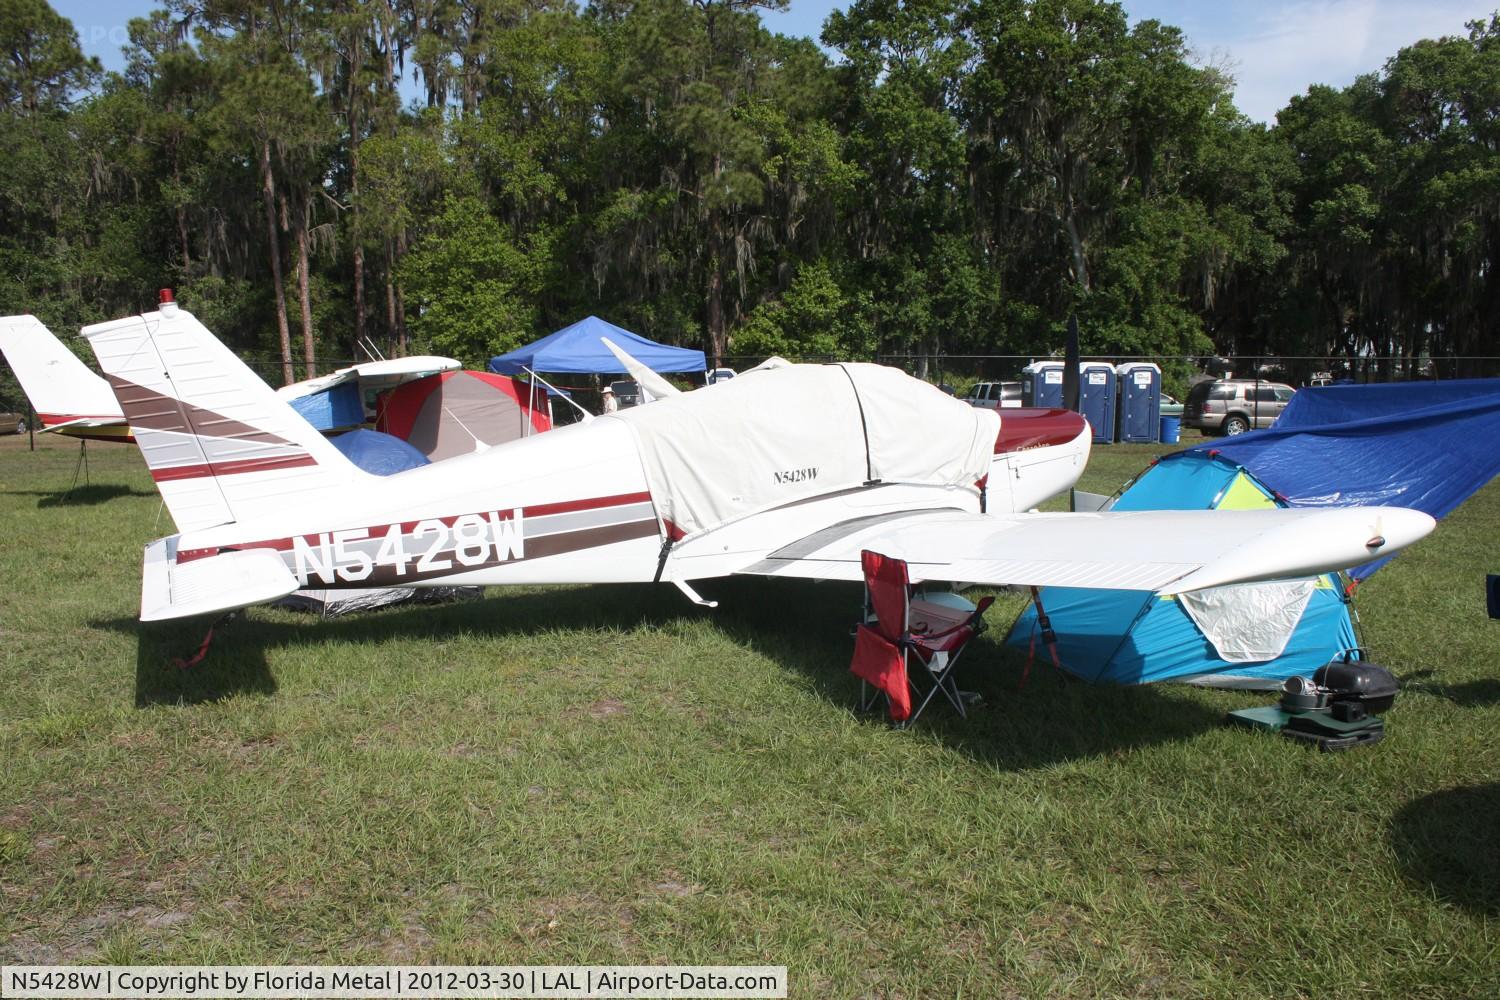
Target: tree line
<point>462,176</point>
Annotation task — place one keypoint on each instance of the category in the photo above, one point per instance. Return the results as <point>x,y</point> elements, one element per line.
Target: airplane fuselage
<point>574,505</point>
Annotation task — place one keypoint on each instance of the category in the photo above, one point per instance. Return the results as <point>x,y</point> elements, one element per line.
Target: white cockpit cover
<point>771,437</point>
<point>1249,622</point>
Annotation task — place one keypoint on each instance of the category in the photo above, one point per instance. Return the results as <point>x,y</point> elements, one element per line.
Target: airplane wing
<point>1164,551</point>
<point>372,375</point>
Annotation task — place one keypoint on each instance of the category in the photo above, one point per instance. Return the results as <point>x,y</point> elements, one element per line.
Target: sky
<point>1275,49</point>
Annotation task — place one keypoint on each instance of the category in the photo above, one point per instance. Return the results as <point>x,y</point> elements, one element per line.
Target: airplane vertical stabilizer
<point>61,387</point>
<point>220,444</point>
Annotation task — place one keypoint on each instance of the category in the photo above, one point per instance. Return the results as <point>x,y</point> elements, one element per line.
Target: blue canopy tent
<point>1426,446</point>
<point>578,349</point>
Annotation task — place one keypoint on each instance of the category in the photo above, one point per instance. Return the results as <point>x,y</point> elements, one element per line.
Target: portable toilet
<point>1096,398</point>
<point>1139,391</point>
<point>1041,384</point>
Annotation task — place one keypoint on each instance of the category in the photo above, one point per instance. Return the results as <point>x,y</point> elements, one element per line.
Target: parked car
<point>627,393</point>
<point>12,422</point>
<point>994,395</point>
<point>1234,405</point>
<point>1170,407</point>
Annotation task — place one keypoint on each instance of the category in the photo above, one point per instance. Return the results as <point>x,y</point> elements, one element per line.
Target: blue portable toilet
<point>1096,398</point>
<point>1139,391</point>
<point>1041,384</point>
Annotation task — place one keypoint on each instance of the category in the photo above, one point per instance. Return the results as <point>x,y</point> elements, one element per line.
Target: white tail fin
<point>220,444</point>
<point>60,386</point>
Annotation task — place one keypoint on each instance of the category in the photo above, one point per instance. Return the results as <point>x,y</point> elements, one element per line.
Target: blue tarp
<point>577,349</point>
<point>1423,445</point>
<point>377,453</point>
<point>332,408</point>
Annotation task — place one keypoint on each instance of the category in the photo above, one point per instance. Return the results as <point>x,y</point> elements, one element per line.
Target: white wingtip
<point>1333,539</point>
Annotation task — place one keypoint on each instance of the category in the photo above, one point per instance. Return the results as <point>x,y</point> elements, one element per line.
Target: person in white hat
<point>611,404</point>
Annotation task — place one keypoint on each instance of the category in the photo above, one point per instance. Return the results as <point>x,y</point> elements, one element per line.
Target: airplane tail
<point>61,388</point>
<point>220,444</point>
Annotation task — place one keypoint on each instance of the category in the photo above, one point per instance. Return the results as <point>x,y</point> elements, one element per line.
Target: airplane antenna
<point>368,346</point>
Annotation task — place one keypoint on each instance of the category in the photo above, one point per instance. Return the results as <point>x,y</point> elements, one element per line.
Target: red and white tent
<point>458,412</point>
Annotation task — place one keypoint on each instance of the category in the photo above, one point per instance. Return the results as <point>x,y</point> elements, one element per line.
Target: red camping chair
<point>934,629</point>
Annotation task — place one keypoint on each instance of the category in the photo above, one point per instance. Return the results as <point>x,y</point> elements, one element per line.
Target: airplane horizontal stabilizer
<point>82,423</point>
<point>172,589</point>
<point>1170,552</point>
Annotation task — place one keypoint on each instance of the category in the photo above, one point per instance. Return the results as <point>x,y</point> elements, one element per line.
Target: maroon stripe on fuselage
<point>556,544</point>
<point>1031,427</point>
<point>537,510</point>
<point>592,503</point>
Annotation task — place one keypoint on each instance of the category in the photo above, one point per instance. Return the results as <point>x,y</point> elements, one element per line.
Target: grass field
<point>610,775</point>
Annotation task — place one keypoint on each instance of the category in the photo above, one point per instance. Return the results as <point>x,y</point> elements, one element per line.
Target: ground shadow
<point>1470,694</point>
<point>805,627</point>
<point>1447,840</point>
<point>235,662</point>
<point>1053,719</point>
<point>83,496</point>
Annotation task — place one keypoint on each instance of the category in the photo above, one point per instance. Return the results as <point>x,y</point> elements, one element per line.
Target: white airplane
<point>68,398</point>
<point>71,400</point>
<point>788,471</point>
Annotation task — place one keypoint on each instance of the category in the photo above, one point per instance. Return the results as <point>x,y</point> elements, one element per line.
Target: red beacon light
<point>164,296</point>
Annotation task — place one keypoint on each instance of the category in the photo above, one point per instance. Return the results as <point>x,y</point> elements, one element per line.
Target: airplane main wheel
<point>1235,426</point>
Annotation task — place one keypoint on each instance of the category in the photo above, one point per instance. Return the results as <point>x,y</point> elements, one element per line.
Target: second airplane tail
<point>221,445</point>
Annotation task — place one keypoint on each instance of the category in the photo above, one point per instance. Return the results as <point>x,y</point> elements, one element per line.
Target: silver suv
<point>1234,405</point>
<point>994,395</point>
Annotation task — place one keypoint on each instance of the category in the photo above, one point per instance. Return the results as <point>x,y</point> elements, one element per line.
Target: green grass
<point>610,775</point>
